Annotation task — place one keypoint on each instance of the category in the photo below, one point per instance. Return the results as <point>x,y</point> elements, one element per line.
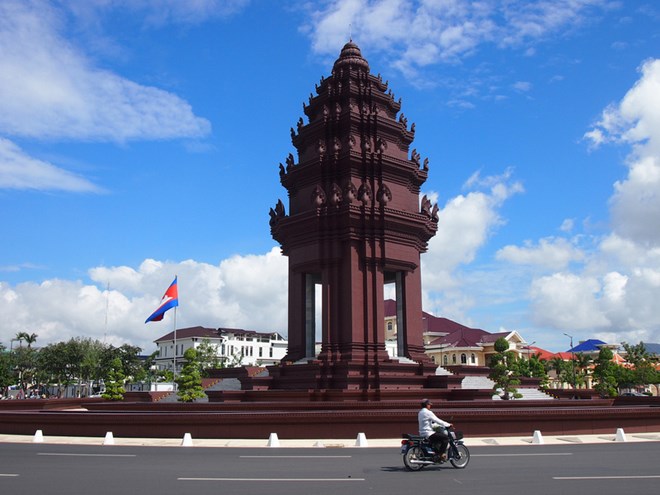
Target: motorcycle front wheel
<point>411,458</point>
<point>461,460</point>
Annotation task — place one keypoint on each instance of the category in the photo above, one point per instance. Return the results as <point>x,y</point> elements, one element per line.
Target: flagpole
<point>175,348</point>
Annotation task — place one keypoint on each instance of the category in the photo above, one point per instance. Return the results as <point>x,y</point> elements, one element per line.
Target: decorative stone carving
<point>426,165</point>
<point>350,192</point>
<point>381,146</point>
<point>289,162</point>
<point>336,146</point>
<point>335,195</point>
<point>277,214</point>
<point>415,157</point>
<point>321,149</point>
<point>318,197</point>
<point>365,194</point>
<point>366,145</point>
<point>425,206</point>
<point>384,195</point>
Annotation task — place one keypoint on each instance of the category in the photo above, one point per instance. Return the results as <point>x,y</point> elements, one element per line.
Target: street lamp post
<point>572,360</point>
<point>529,350</point>
<point>529,357</point>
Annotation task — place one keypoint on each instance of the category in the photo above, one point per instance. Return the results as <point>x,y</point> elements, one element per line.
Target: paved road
<point>541,469</point>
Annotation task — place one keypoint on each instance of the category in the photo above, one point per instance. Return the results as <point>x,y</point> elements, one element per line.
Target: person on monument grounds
<point>433,428</point>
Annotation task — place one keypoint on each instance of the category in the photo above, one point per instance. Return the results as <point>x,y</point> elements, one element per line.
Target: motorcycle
<point>418,453</point>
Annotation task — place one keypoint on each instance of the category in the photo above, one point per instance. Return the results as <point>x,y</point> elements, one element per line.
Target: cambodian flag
<point>169,301</point>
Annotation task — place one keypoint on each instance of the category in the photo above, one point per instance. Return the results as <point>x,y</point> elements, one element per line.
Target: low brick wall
<point>324,420</point>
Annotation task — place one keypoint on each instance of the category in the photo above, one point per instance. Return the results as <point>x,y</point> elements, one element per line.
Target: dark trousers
<point>439,441</point>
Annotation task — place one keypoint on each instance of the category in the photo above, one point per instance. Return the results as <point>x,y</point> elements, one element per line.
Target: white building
<point>235,347</point>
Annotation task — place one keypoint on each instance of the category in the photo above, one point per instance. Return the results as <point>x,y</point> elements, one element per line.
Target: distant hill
<point>652,348</point>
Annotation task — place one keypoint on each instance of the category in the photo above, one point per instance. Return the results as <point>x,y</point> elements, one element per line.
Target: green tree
<point>29,338</point>
<point>502,370</point>
<point>189,382</point>
<point>582,364</point>
<point>24,360</point>
<point>149,371</point>
<point>605,374</point>
<point>643,372</point>
<point>207,356</point>
<point>6,370</point>
<point>114,384</point>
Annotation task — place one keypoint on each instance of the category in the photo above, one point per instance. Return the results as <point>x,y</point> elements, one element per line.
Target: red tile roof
<point>204,333</point>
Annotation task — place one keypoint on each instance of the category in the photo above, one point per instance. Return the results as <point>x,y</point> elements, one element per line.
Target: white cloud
<point>522,86</point>
<point>20,171</point>
<point>49,89</point>
<point>464,225</point>
<point>247,292</point>
<point>429,31</point>
<point>554,253</point>
<point>567,302</point>
<point>635,204</point>
<point>615,293</point>
<point>160,12</point>
<point>567,225</point>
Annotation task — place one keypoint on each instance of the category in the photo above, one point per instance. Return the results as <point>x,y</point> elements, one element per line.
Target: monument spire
<point>354,224</point>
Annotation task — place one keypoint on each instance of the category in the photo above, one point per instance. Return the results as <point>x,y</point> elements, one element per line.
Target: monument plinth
<point>353,224</point>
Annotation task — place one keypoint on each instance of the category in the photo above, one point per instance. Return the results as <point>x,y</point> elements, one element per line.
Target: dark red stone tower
<point>354,223</point>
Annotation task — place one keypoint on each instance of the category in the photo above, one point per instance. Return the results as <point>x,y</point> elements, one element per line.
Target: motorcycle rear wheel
<point>413,454</point>
<point>463,457</point>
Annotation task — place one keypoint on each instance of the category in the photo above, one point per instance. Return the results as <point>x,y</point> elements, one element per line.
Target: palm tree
<point>558,365</point>
<point>582,362</point>
<point>29,338</point>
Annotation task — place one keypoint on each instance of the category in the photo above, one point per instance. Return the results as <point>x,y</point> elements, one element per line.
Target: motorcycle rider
<point>439,439</point>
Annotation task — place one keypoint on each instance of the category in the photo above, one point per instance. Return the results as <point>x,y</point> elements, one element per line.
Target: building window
<point>445,360</point>
<point>463,358</point>
<point>473,359</point>
<point>453,359</point>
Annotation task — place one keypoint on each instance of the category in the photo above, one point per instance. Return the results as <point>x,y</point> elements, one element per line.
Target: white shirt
<point>427,420</point>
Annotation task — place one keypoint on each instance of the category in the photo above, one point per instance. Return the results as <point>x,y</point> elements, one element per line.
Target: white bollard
<point>620,435</point>
<point>537,438</point>
<point>361,440</point>
<point>109,439</point>
<point>187,440</point>
<point>273,441</point>
<point>38,437</point>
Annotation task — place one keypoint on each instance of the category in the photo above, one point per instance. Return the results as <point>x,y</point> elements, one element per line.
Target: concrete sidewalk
<point>535,438</point>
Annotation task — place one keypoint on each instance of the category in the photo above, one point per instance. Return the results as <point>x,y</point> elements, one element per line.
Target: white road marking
<point>294,456</point>
<point>252,480</point>
<point>522,455</point>
<point>66,454</point>
<point>640,477</point>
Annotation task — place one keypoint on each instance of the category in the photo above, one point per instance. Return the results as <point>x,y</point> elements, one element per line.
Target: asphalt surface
<point>602,468</point>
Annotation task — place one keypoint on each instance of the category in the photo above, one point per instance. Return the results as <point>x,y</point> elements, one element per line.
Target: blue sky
<point>140,140</point>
